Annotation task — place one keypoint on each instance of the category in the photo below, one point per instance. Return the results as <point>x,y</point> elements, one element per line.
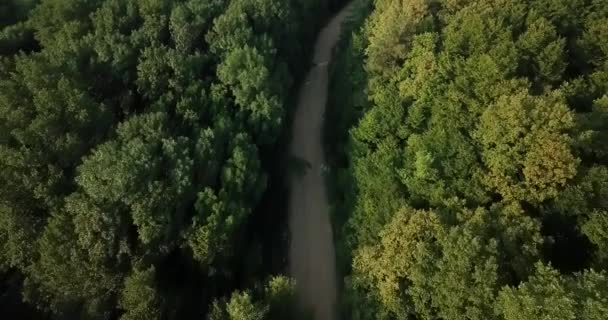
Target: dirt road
<point>312,258</point>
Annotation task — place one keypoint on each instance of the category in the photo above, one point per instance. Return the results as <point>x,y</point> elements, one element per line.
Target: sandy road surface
<point>312,258</point>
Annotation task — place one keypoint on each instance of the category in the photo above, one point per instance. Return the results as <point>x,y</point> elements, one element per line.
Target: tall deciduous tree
<point>528,156</point>
<point>550,295</point>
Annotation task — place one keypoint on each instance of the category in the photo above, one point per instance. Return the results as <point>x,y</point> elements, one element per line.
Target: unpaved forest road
<point>311,258</point>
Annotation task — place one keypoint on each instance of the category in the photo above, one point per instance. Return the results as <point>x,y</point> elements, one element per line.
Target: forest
<point>143,158</point>
<point>469,147</point>
<point>140,156</point>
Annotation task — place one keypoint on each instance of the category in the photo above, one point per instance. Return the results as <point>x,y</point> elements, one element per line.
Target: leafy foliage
<point>135,142</point>
<point>275,301</point>
<point>474,164</point>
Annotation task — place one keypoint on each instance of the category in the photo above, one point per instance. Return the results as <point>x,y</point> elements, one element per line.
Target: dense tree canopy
<point>473,185</point>
<point>134,145</point>
<point>467,142</point>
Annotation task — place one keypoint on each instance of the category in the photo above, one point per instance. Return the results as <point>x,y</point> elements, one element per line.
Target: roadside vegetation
<point>467,143</point>
<point>140,156</point>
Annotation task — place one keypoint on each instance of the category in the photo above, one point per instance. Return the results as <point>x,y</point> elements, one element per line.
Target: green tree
<point>240,306</point>
<point>386,267</point>
<point>528,156</point>
<point>139,298</point>
<point>276,301</point>
<point>550,295</point>
<point>67,277</point>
